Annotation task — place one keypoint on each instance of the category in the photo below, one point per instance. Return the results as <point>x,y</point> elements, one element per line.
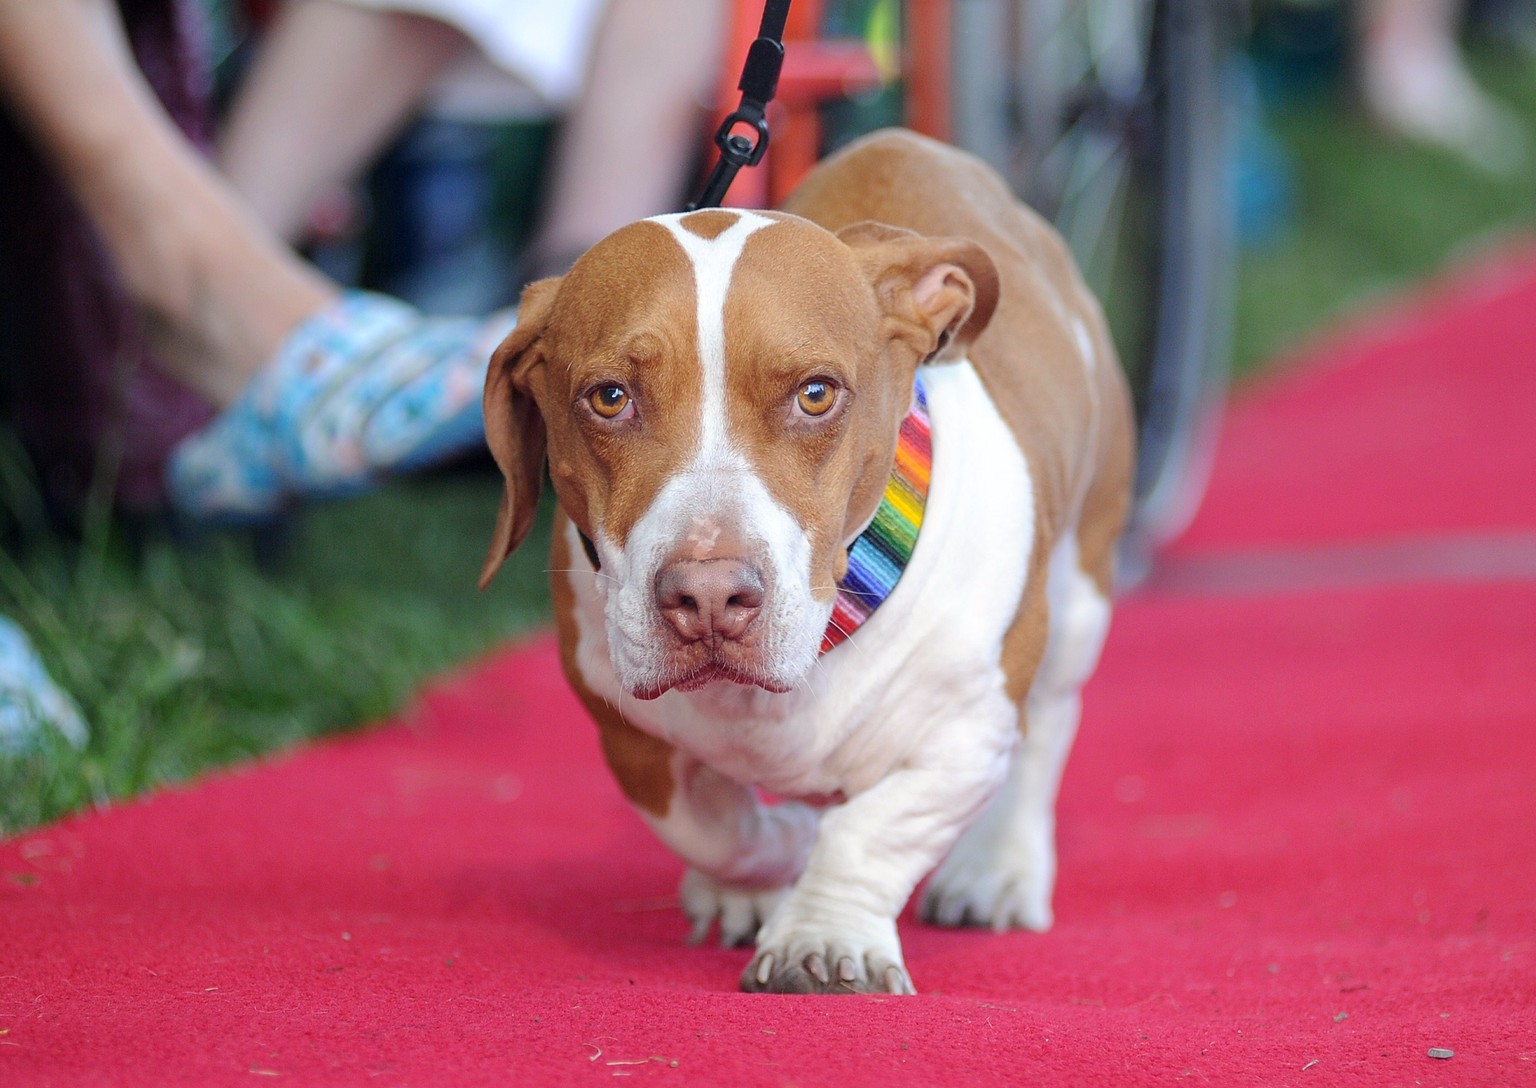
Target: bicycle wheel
<point>1107,116</point>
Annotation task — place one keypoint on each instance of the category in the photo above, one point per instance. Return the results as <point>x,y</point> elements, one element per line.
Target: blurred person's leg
<point>217,293</point>
<point>1415,83</point>
<point>331,84</point>
<point>322,390</point>
<point>335,80</point>
<point>629,145</point>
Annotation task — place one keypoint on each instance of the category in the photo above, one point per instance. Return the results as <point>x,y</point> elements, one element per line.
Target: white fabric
<point>543,43</point>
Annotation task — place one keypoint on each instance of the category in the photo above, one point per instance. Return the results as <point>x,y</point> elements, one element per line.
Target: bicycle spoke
<point>1093,204</point>
<point>1112,127</point>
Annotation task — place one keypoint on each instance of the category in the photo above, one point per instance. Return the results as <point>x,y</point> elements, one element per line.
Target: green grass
<point>1374,213</point>
<point>187,658</point>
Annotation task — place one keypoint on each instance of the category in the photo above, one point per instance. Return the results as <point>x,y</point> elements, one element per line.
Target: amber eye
<point>609,401</point>
<point>816,396</point>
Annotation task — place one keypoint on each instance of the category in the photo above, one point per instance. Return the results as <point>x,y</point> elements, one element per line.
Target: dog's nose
<point>709,598</point>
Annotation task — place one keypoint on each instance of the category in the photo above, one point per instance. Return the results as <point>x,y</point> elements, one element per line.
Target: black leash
<point>759,82</point>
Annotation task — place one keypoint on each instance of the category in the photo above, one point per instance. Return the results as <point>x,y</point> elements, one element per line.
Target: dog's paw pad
<point>739,911</point>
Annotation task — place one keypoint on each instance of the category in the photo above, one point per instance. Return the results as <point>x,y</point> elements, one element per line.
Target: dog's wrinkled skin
<point>717,396</point>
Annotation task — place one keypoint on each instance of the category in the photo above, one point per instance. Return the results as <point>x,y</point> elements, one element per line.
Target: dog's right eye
<point>609,401</point>
<point>816,397</point>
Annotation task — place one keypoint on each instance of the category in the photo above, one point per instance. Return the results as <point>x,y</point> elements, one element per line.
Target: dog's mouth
<point>712,671</point>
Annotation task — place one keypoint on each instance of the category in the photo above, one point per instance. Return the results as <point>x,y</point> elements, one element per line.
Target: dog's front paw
<point>740,911</point>
<point>807,960</point>
<point>994,884</point>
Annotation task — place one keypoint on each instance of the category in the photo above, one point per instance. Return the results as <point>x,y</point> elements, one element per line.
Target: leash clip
<point>740,150</point>
<point>759,82</point>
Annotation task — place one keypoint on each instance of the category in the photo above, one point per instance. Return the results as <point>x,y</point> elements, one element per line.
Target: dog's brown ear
<point>514,428</point>
<point>942,290</point>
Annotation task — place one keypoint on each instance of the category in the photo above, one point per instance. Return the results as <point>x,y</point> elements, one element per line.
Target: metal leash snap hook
<point>759,82</point>
<point>740,149</point>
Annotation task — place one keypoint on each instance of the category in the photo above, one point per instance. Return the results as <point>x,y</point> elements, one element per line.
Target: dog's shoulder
<point>1046,358</point>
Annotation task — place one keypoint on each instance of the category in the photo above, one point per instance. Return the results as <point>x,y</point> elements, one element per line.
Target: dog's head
<point>718,396</point>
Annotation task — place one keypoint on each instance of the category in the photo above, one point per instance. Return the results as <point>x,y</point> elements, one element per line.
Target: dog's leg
<point>742,854</point>
<point>836,930</point>
<point>1003,870</point>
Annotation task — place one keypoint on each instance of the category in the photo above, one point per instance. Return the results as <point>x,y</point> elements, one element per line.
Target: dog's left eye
<point>609,401</point>
<point>816,397</point>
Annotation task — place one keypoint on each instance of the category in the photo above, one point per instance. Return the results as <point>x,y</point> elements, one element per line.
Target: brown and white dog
<point>718,396</point>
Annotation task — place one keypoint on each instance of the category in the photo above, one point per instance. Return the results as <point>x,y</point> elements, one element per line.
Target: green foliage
<point>1374,213</point>
<point>185,657</point>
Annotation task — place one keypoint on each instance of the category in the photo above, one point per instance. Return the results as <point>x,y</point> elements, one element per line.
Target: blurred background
<point>1235,178</point>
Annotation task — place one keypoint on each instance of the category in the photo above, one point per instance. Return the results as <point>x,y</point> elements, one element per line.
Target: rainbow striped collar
<point>880,553</point>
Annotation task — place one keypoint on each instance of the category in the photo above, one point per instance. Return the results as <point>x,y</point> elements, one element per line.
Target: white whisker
<point>580,570</point>
<point>845,589</point>
<point>847,636</point>
<point>817,663</point>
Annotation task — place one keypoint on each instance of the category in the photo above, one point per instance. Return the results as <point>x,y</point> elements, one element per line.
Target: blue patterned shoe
<point>365,388</point>
<point>29,699</point>
<point>432,412</point>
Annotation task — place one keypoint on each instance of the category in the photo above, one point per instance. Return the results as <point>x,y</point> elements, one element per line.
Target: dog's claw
<point>739,911</point>
<point>824,971</point>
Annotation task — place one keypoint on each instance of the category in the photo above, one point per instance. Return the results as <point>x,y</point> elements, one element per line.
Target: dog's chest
<point>906,679</point>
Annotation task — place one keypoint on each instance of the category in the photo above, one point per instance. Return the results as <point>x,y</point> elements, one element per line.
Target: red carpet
<point>1298,832</point>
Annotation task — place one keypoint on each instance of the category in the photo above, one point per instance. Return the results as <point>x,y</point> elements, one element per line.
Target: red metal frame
<point>819,70</point>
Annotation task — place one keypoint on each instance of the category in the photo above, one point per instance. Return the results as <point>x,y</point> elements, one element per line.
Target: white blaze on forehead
<point>714,260</point>
<point>717,496</point>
